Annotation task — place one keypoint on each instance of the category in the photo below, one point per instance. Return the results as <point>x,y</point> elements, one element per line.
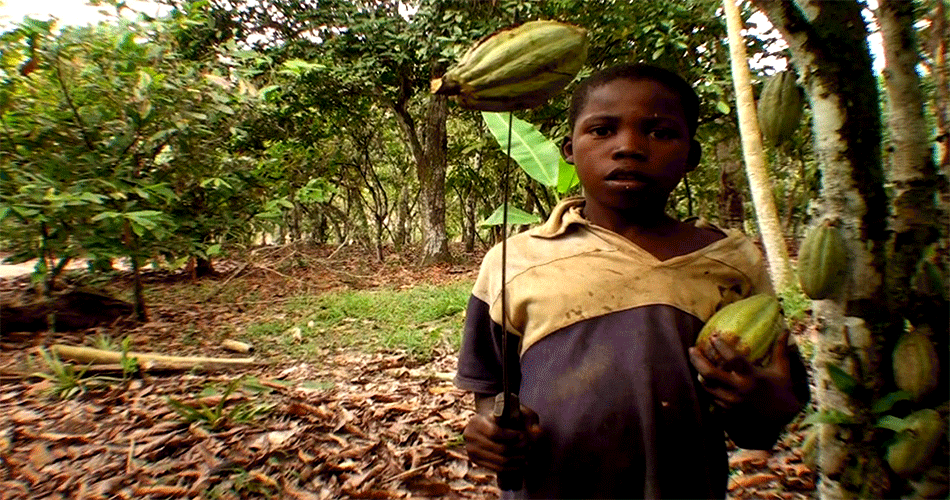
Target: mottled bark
<point>937,48</point>
<point>430,170</point>
<point>916,210</point>
<point>829,43</point>
<point>912,171</point>
<point>432,179</point>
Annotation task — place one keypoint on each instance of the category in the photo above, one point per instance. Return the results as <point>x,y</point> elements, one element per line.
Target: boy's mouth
<point>626,176</point>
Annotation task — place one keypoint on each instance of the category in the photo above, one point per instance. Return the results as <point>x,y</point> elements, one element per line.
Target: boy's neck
<point>654,231</point>
<point>635,221</point>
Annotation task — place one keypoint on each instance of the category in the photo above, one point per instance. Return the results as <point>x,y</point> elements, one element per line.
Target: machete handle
<point>507,411</point>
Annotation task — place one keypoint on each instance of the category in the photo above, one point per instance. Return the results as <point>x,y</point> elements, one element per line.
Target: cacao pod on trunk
<point>913,447</point>
<point>780,107</point>
<point>516,68</point>
<point>752,325</point>
<point>822,261</point>
<point>915,363</point>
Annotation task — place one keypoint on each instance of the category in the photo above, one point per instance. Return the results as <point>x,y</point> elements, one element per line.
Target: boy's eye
<point>664,133</point>
<point>600,131</point>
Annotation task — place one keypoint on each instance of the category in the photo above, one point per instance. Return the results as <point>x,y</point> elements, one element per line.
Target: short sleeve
<point>480,356</point>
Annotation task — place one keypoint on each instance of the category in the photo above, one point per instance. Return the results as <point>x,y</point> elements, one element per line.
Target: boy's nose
<point>631,144</point>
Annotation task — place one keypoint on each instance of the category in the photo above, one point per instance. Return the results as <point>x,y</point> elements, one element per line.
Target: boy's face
<point>631,145</point>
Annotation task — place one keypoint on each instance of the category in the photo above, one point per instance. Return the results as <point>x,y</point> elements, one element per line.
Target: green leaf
<point>893,423</point>
<point>537,155</point>
<point>843,380</point>
<point>829,417</point>
<point>106,215</point>
<point>298,67</point>
<point>516,216</point>
<point>566,176</point>
<point>885,403</point>
<point>723,107</point>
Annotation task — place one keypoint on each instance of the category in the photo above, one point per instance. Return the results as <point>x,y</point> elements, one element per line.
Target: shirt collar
<point>565,214</point>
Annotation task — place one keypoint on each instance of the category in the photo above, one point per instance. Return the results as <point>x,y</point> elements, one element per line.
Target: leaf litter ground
<point>335,420</point>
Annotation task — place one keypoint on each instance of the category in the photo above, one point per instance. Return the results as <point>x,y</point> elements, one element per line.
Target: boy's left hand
<point>737,382</point>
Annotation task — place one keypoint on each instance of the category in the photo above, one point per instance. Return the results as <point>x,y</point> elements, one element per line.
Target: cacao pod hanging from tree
<point>516,68</point>
<point>913,447</point>
<point>822,261</point>
<point>915,363</point>
<point>780,107</point>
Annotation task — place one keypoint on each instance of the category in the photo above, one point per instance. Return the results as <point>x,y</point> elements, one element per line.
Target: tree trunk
<point>937,47</point>
<point>916,214</point>
<point>829,44</point>
<point>759,184</point>
<point>432,179</point>
<point>430,170</point>
<point>912,171</point>
<point>731,201</point>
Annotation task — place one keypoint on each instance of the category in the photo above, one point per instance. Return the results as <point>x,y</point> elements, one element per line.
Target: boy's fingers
<point>492,446</point>
<point>780,351</point>
<point>532,423</point>
<point>717,380</point>
<point>705,367</point>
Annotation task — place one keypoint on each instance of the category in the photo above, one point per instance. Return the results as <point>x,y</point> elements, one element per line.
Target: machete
<point>507,406</point>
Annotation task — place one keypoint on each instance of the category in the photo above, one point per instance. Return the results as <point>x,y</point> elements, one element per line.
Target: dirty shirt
<point>599,332</point>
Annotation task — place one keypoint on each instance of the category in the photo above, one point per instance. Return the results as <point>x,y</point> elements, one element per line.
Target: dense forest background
<point>220,126</point>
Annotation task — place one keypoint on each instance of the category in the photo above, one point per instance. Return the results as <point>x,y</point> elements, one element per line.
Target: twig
<point>220,287</point>
<point>302,282</point>
<point>415,470</point>
<point>345,243</point>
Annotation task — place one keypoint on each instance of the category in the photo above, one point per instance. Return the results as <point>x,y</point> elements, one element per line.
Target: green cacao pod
<point>911,451</point>
<point>780,107</point>
<point>822,261</point>
<point>915,363</point>
<point>751,325</point>
<point>516,68</point>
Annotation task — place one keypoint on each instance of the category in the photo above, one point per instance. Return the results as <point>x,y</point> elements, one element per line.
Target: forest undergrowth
<point>349,396</point>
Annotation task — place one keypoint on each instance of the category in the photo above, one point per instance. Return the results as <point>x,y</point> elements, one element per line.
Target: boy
<point>605,301</point>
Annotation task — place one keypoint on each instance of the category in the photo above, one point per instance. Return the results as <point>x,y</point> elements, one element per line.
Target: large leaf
<point>516,216</point>
<point>537,155</point>
<point>566,176</point>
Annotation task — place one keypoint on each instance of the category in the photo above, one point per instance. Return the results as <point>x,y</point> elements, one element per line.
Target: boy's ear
<point>695,153</point>
<point>567,149</point>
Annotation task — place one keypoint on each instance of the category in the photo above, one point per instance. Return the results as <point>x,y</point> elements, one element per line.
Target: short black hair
<point>630,71</point>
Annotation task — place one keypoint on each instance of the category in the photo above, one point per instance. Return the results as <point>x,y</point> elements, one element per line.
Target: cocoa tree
<point>886,234</point>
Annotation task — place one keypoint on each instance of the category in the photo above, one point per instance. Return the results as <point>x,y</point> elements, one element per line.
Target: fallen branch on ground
<point>148,361</point>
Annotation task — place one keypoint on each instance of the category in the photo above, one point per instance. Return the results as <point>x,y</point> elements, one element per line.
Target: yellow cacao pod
<point>516,68</point>
<point>911,451</point>
<point>780,107</point>
<point>752,325</point>
<point>915,363</point>
<point>822,261</point>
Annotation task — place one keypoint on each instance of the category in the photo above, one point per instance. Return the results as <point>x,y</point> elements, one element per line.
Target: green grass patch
<point>414,320</point>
